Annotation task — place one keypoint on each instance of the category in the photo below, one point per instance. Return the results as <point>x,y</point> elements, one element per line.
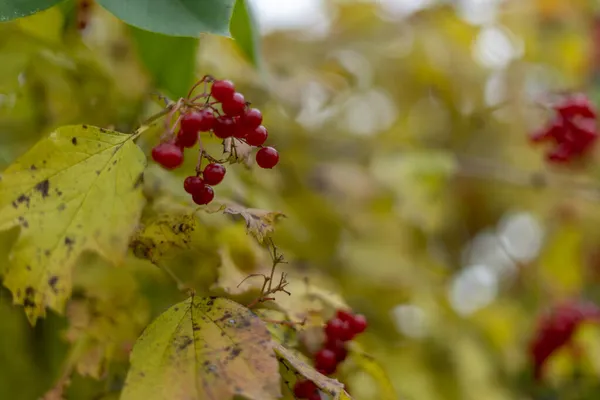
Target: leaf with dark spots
<point>103,203</point>
<point>23,199</point>
<point>74,141</point>
<point>33,167</point>
<point>43,187</point>
<point>139,181</point>
<point>217,361</point>
<point>159,239</point>
<point>185,342</point>
<point>23,222</point>
<point>52,282</point>
<point>69,242</point>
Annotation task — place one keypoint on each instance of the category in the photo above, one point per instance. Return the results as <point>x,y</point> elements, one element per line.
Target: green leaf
<point>171,61</point>
<point>76,190</point>
<point>204,348</point>
<point>174,17</point>
<point>244,29</point>
<point>11,9</point>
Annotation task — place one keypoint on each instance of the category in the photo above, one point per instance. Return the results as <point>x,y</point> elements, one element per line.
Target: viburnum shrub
<point>572,130</point>
<point>556,329</point>
<point>220,111</point>
<point>339,330</point>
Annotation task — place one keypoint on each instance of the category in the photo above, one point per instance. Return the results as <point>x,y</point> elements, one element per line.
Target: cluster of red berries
<point>556,329</point>
<point>235,120</point>
<point>573,130</point>
<point>338,330</point>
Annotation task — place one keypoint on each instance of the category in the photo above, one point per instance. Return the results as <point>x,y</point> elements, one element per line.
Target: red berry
<point>222,90</point>
<point>193,184</point>
<point>561,154</point>
<point>345,315</point>
<point>338,347</point>
<point>257,136</point>
<point>267,157</point>
<point>186,138</point>
<point>213,174</point>
<point>235,105</point>
<point>303,389</point>
<point>576,105</point>
<point>240,131</point>
<point>252,118</point>
<point>358,324</point>
<point>169,155</point>
<point>326,360</point>
<point>204,195</point>
<point>196,121</point>
<point>224,127</point>
<point>334,328</point>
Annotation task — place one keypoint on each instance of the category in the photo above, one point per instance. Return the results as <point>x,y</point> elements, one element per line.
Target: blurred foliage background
<point>406,177</point>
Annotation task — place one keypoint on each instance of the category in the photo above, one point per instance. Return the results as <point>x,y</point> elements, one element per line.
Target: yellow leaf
<point>162,235</point>
<point>366,363</point>
<point>281,332</point>
<point>204,348</point>
<point>78,189</point>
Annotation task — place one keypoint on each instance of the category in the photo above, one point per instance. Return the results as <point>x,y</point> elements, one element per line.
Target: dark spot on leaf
<point>84,126</point>
<point>58,192</point>
<point>195,327</point>
<point>44,162</point>
<point>52,282</point>
<point>176,308</point>
<point>47,253</point>
<point>14,204</point>
<point>18,293</point>
<point>98,172</point>
<point>142,374</point>
<point>139,181</point>
<point>114,162</point>
<point>28,303</point>
<point>185,342</point>
<point>234,353</point>
<point>74,141</point>
<point>23,199</point>
<point>102,130</point>
<point>28,268</point>
<point>61,207</point>
<point>29,291</point>
<point>33,167</point>
<point>210,302</point>
<point>23,222</point>
<point>43,187</point>
<point>69,242</point>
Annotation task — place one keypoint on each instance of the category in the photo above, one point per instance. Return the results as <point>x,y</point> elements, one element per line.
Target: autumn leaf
<point>297,362</point>
<point>106,319</point>
<point>275,321</point>
<point>259,223</point>
<point>78,189</point>
<point>163,235</point>
<point>358,361</point>
<point>204,348</point>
